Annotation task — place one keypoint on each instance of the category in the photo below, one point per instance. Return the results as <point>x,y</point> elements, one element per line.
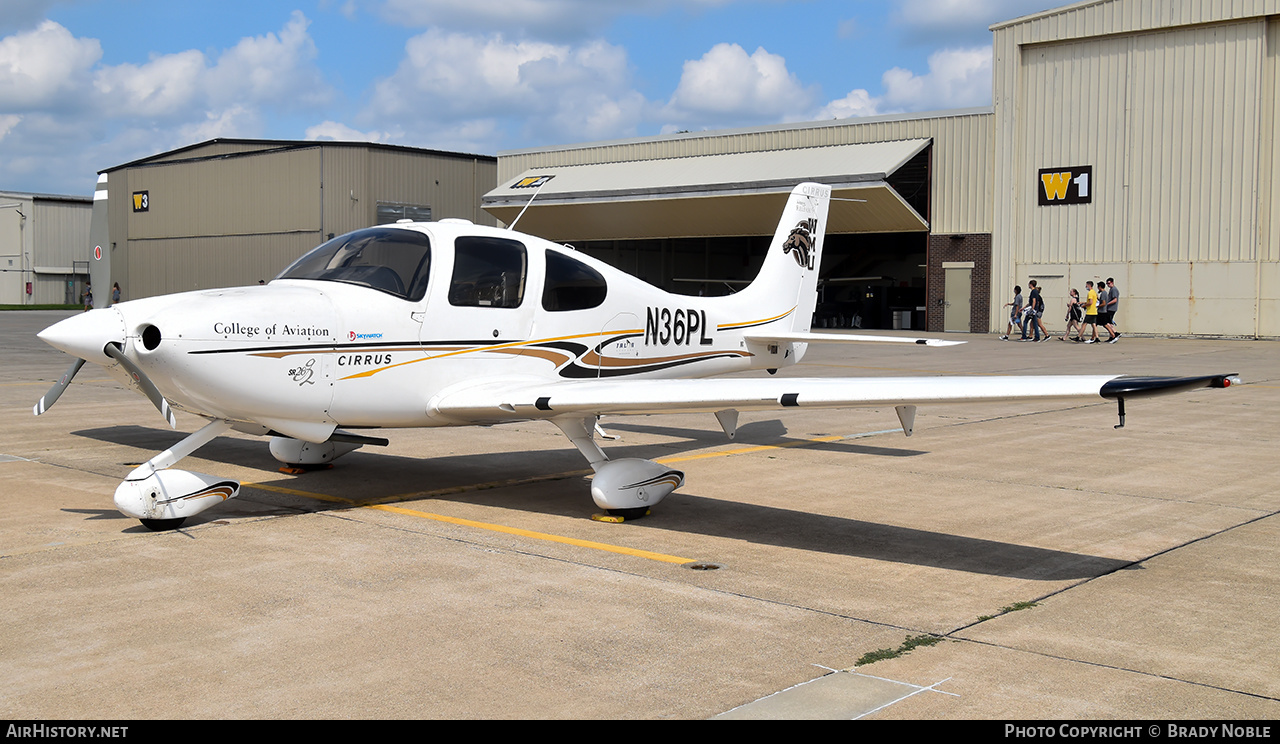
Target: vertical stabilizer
<point>787,285</point>
<point>100,247</point>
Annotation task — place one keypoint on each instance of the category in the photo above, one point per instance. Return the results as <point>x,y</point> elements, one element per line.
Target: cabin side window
<point>488,272</point>
<point>571,285</point>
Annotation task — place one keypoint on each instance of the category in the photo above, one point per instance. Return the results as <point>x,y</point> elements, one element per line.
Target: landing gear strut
<point>625,488</point>
<point>162,499</point>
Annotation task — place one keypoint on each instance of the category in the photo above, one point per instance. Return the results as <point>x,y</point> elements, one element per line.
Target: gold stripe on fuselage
<point>526,348</point>
<point>512,346</point>
<point>749,323</point>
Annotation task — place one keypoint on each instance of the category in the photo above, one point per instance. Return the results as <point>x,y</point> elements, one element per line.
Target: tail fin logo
<point>800,242</point>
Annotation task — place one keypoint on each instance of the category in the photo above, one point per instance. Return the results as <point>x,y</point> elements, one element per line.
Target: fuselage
<point>366,333</point>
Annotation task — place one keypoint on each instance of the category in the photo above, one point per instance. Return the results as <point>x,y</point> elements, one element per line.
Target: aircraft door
<point>486,302</point>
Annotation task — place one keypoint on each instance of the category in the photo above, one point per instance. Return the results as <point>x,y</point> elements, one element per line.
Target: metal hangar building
<point>230,212</point>
<point>1132,139</point>
<point>43,241</point>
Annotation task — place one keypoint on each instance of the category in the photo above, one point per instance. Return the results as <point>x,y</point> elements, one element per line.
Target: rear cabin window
<point>391,260</point>
<point>488,272</point>
<point>571,285</point>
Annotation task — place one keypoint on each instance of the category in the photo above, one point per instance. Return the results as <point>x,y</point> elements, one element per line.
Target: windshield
<point>390,260</point>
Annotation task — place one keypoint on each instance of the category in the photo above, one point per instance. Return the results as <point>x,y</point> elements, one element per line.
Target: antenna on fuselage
<point>545,180</point>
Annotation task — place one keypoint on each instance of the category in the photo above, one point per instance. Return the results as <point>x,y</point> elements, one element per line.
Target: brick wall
<point>975,248</point>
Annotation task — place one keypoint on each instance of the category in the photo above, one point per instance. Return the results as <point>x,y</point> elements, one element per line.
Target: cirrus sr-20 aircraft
<point>454,324</point>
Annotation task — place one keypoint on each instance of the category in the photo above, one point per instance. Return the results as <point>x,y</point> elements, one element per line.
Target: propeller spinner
<point>97,336</point>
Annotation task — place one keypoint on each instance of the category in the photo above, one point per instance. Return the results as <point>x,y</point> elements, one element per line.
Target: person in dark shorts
<point>1112,305</point>
<point>1034,319</point>
<point>1090,313</point>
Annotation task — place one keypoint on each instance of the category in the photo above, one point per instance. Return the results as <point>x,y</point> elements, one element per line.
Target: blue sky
<point>90,84</point>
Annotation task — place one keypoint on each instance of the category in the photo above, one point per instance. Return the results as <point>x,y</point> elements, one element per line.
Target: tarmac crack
<point>953,634</point>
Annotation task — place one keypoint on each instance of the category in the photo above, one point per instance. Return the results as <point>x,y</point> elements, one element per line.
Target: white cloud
<point>728,85</point>
<point>48,69</point>
<point>235,121</point>
<point>164,86</point>
<point>957,78</point>
<point>338,132</point>
<point>7,123</point>
<point>60,106</point>
<point>272,68</point>
<point>45,68</point>
<point>858,103</point>
<point>459,83</point>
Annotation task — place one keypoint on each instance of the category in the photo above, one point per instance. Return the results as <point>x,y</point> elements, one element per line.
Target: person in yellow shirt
<point>1091,311</point>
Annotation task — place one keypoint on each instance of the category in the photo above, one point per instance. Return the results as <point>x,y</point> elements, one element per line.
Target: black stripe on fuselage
<point>578,371</point>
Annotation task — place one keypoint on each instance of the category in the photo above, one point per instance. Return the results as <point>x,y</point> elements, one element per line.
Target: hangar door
<point>1168,122</point>
<point>701,225</point>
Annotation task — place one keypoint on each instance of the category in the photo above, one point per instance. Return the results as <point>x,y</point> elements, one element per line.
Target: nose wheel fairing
<point>172,495</point>
<point>162,497</point>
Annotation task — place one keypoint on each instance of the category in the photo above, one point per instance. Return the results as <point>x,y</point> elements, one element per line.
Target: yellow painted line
<point>382,505</point>
<point>535,535</point>
<point>477,524</point>
<point>304,494</point>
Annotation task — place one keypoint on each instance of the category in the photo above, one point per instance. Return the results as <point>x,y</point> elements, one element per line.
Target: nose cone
<point>84,335</point>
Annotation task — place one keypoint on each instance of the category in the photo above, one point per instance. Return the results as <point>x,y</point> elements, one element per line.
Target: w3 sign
<point>1071,185</point>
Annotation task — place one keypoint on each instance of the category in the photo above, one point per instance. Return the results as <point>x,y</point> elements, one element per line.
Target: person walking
<point>1035,315</point>
<point>1091,311</point>
<point>1015,317</point>
<point>1113,305</point>
<point>1075,317</point>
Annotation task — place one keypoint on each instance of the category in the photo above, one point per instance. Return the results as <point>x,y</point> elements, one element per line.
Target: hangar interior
<point>702,225</point>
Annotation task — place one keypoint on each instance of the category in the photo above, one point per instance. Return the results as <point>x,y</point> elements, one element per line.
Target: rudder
<point>787,284</point>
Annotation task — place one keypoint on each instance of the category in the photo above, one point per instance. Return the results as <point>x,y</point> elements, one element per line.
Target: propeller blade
<point>144,383</point>
<point>51,397</point>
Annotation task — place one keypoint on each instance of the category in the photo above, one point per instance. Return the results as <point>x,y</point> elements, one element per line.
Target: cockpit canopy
<point>488,271</point>
<point>391,260</point>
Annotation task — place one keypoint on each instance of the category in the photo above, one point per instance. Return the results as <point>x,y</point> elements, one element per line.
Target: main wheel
<point>160,525</point>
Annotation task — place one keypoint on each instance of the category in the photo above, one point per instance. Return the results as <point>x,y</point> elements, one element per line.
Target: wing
<point>504,400</point>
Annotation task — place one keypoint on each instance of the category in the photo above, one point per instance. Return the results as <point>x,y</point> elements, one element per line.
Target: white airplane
<point>454,324</point>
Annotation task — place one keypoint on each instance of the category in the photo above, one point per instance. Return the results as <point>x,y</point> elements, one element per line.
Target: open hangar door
<point>702,226</point>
